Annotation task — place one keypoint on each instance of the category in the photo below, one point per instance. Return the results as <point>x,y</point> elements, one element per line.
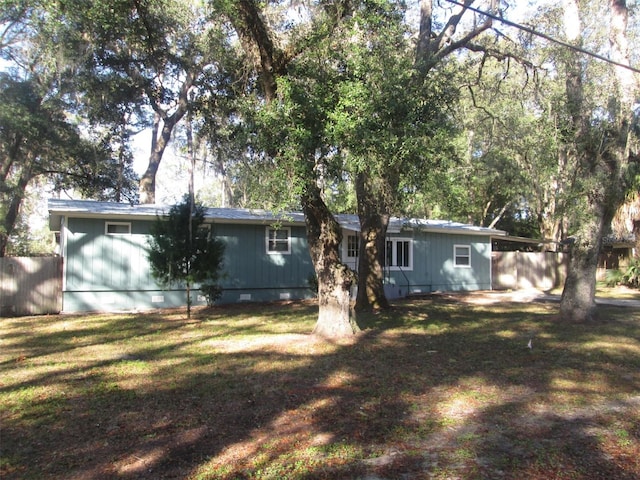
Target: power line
<point>545,36</point>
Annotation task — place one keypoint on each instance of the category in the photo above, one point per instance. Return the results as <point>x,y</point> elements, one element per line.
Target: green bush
<point>211,292</point>
<point>183,249</point>
<point>631,276</point>
<point>613,278</point>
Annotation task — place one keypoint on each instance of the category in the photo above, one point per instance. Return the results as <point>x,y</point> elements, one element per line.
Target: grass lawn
<point>619,292</point>
<point>434,389</point>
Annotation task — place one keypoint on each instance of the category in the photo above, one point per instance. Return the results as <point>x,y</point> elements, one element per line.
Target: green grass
<point>615,293</point>
<point>619,293</point>
<point>430,389</point>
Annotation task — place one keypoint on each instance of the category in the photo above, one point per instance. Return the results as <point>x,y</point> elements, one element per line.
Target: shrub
<point>211,292</point>
<point>631,276</point>
<point>183,249</point>
<point>613,277</point>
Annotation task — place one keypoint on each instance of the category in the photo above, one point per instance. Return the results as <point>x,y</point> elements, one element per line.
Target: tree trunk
<point>551,202</point>
<point>17,194</point>
<point>373,232</point>
<point>423,45</point>
<point>578,296</point>
<point>626,94</point>
<point>636,233</point>
<point>188,300</point>
<point>257,41</point>
<point>159,144</point>
<point>147,186</point>
<point>603,165</point>
<point>334,278</point>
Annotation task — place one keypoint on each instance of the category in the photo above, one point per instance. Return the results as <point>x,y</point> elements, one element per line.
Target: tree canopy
<point>37,141</point>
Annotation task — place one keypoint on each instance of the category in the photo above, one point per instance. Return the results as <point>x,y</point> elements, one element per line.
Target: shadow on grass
<point>429,390</point>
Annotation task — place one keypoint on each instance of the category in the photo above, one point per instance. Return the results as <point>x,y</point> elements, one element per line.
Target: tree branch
<point>463,42</point>
<point>450,28</point>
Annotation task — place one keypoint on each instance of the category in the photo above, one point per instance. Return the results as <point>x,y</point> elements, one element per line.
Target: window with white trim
<point>462,256</point>
<point>117,228</point>
<point>278,240</point>
<point>353,246</point>
<point>399,254</point>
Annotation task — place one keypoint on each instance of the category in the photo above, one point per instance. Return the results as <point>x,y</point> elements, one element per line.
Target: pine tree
<point>183,249</point>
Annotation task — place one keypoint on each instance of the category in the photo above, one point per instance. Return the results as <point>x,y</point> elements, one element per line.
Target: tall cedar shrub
<point>179,258</point>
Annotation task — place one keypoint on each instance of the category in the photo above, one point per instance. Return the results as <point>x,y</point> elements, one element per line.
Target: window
<point>462,256</point>
<point>117,228</point>
<point>399,254</point>
<point>278,240</point>
<point>353,246</point>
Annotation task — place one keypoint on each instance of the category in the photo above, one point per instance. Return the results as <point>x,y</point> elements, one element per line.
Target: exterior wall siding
<point>434,269</point>
<point>111,272</point>
<point>446,276</point>
<point>253,274</point>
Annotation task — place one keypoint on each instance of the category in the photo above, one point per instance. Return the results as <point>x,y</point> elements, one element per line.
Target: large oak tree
<point>298,144</point>
<point>599,136</point>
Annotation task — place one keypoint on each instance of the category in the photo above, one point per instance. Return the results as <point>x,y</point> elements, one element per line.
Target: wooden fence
<point>30,286</point>
<point>517,270</point>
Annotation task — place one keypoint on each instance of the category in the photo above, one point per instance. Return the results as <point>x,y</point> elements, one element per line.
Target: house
<point>616,254</point>
<point>105,264</point>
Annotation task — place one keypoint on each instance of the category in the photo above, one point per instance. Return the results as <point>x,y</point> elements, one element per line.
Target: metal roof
<point>445,226</point>
<point>59,208</point>
<point>93,209</point>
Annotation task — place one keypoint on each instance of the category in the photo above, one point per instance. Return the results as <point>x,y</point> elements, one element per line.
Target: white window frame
<point>394,254</point>
<point>456,256</point>
<point>107,224</point>
<point>356,247</point>
<point>268,240</point>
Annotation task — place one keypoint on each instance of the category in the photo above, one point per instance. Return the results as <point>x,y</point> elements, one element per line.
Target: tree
<point>379,189</point>
<point>37,142</point>
<point>31,236</point>
<point>296,128</point>
<point>293,124</point>
<point>626,222</point>
<point>183,249</point>
<point>599,135</point>
<point>42,137</point>
<point>513,173</point>
<point>139,62</point>
<point>277,63</point>
<point>391,130</point>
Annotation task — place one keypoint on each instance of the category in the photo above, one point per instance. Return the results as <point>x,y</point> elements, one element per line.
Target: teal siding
<point>111,272</point>
<point>250,270</point>
<point>118,300</point>
<point>433,265</point>
<point>445,276</point>
<point>95,261</point>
